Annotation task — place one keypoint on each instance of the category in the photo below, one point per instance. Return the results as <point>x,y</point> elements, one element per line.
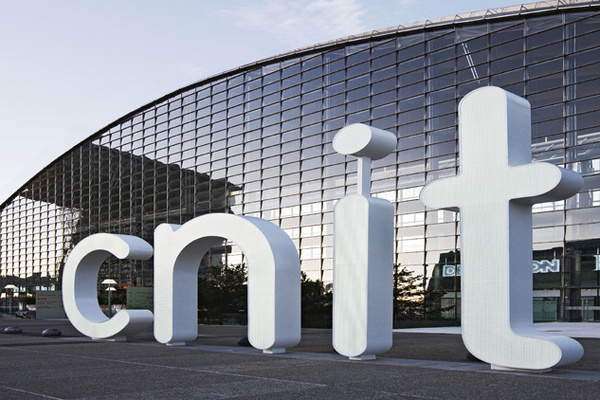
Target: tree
<point>223,294</point>
<point>411,300</point>
<point>317,304</point>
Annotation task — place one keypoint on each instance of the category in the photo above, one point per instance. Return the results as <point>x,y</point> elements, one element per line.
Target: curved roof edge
<point>475,16</point>
<point>470,17</point>
<point>464,18</point>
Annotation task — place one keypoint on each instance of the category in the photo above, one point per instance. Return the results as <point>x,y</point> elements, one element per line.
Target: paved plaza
<point>423,364</point>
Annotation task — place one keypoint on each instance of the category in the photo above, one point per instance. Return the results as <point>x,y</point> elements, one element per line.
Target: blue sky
<point>70,67</point>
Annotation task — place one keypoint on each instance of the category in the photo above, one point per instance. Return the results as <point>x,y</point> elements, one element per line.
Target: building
<point>257,141</point>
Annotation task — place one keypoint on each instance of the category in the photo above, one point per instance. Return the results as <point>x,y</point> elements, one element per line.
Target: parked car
<point>22,314</point>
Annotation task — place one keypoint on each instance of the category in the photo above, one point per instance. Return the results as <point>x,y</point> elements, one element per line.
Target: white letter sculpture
<point>494,190</point>
<point>80,277</point>
<point>363,252</point>
<point>273,279</point>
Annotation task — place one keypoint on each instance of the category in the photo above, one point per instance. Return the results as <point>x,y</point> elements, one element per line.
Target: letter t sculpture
<point>494,190</point>
<point>363,252</point>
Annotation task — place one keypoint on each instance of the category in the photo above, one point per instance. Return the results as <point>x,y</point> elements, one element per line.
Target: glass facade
<point>256,141</point>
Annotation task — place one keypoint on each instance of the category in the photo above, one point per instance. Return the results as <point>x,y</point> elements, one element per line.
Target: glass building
<point>257,141</point>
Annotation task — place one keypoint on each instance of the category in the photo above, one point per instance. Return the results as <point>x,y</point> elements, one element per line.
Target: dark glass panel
<point>358,117</point>
<point>440,56</point>
<point>411,78</point>
<point>467,58</point>
<point>441,68</point>
<point>444,121</point>
<point>586,89</point>
<point>441,95</point>
<point>582,58</point>
<point>437,39</point>
<point>384,74</point>
<point>542,39</point>
<point>411,142</point>
<point>475,35</point>
<point>353,83</point>
<point>335,65</point>
<point>442,108</point>
<point>357,58</point>
<point>588,120</point>
<point>506,49</point>
<point>547,113</point>
<point>441,82</point>
<point>411,52</point>
<point>517,88</point>
<point>411,116</point>
<point>383,111</point>
<point>585,105</point>
<point>508,63</point>
<point>383,86</point>
<point>546,128</point>
<point>335,77</point>
<point>290,70</point>
<point>546,97</point>
<point>505,31</point>
<point>412,90</point>
<point>544,53</point>
<point>356,106</point>
<point>382,98</point>
<point>544,24</point>
<point>360,69</point>
<point>546,68</point>
<point>587,41</point>
<point>358,93</point>
<point>508,78</point>
<point>411,103</point>
<point>585,21</point>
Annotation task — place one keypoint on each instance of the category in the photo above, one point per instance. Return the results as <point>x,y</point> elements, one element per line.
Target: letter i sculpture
<point>494,190</point>
<point>363,252</point>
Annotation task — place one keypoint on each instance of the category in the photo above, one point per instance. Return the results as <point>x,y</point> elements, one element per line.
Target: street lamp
<point>12,288</point>
<point>109,289</point>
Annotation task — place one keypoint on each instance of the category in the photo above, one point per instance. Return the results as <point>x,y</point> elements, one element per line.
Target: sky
<point>68,68</point>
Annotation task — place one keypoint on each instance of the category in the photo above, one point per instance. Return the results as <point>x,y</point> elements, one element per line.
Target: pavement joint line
<point>232,350</point>
<point>401,362</point>
<point>175,368</point>
<point>44,396</point>
<point>593,376</point>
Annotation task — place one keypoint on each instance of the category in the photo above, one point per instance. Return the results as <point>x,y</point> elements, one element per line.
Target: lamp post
<point>109,289</point>
<point>12,288</point>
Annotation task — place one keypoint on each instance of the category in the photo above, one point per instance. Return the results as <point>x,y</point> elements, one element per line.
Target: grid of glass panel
<point>257,142</point>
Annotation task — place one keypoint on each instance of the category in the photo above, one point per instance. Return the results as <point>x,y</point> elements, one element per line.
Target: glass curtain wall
<point>257,141</point>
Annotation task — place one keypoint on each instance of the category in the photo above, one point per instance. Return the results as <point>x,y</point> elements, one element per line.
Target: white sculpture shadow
<point>79,287</point>
<point>494,191</point>
<point>363,252</point>
<point>273,279</point>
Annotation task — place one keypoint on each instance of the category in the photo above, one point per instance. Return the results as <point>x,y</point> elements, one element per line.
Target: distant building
<point>257,141</point>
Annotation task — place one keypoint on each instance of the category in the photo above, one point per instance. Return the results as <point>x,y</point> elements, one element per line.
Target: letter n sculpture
<point>494,190</point>
<point>363,252</point>
<point>273,279</point>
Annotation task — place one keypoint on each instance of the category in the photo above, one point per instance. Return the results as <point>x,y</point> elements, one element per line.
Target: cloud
<point>300,23</point>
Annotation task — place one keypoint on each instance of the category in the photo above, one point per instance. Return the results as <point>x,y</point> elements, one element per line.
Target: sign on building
<point>49,304</point>
<point>140,298</point>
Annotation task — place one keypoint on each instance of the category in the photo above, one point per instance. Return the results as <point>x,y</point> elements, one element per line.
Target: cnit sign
<point>494,190</point>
